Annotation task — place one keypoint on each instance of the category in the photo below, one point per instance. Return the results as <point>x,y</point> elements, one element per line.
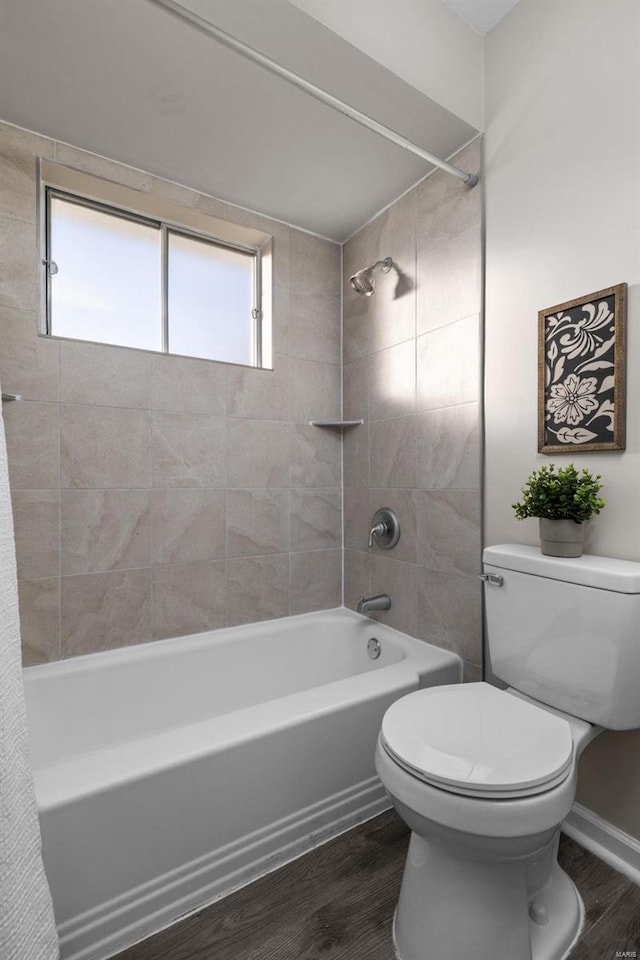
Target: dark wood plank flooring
<point>337,903</point>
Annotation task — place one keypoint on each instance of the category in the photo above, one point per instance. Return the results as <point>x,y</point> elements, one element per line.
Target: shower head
<point>363,281</point>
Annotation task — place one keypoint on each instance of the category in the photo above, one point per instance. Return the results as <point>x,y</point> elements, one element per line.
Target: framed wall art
<point>581,373</point>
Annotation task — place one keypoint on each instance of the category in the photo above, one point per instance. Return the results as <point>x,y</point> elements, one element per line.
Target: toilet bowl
<point>484,778</point>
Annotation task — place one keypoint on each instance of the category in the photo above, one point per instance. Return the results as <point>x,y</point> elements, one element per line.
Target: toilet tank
<point>567,631</point>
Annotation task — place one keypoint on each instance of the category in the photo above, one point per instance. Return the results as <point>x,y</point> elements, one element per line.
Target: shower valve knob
<point>385,529</point>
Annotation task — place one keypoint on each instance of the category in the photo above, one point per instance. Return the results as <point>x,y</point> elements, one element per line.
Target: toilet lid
<point>477,740</point>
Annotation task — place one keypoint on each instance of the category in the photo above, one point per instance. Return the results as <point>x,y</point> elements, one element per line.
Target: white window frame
<point>74,186</point>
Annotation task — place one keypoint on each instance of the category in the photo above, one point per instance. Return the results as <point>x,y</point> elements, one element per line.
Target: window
<point>202,273</point>
<point>105,276</point>
<point>116,275</point>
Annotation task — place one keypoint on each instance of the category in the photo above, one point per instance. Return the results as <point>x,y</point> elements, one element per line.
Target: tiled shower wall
<point>157,496</point>
<point>412,371</point>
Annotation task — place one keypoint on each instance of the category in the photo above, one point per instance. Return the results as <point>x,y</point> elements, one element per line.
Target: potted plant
<point>563,499</point>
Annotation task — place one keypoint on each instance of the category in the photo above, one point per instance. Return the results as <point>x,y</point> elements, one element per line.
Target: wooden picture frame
<point>581,373</point>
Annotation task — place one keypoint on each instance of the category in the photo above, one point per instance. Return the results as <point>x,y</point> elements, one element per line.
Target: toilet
<point>485,773</point>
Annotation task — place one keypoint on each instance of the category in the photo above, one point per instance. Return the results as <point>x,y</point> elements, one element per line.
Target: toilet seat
<point>475,740</point>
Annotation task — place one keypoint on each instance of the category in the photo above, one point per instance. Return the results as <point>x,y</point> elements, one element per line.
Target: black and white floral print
<point>579,374</point>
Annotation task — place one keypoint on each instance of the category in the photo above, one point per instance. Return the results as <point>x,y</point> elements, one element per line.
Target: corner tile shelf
<point>335,423</point>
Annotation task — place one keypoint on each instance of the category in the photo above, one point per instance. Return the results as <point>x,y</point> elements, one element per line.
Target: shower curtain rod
<point>205,26</point>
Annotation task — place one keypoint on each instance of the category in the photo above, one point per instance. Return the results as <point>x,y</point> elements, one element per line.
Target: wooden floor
<point>337,903</point>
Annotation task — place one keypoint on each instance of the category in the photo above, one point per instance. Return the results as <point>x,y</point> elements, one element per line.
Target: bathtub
<point>170,773</point>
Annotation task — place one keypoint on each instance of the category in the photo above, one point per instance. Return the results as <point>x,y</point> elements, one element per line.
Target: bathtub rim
<point>148,649</point>
<point>71,779</point>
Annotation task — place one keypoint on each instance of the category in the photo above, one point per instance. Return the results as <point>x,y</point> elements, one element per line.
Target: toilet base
<point>455,908</point>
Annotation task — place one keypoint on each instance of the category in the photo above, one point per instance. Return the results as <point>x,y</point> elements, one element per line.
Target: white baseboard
<point>618,849</point>
<point>114,925</point>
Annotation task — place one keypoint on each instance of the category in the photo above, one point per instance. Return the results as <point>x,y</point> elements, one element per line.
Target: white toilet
<point>484,777</point>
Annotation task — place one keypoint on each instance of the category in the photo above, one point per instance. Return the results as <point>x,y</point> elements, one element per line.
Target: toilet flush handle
<point>493,578</point>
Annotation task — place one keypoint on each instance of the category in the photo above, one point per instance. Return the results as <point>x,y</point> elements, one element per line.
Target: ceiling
<point>481,15</point>
<point>131,81</point>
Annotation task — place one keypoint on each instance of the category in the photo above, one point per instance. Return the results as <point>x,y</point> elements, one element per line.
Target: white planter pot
<point>561,538</point>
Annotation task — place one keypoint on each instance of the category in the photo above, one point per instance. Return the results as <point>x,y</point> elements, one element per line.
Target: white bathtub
<point>170,773</point>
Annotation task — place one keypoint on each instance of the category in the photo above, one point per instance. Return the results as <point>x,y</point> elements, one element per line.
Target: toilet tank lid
<point>606,573</point>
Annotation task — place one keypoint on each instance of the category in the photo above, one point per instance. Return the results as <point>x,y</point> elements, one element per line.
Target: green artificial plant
<point>562,493</point>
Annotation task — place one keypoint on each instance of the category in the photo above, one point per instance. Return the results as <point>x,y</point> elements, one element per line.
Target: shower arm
<point>228,40</point>
<point>385,265</point>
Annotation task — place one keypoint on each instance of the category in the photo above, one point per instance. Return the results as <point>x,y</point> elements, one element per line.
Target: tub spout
<point>381,602</point>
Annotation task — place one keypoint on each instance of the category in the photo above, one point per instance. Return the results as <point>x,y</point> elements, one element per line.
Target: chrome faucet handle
<point>385,529</point>
<point>377,530</point>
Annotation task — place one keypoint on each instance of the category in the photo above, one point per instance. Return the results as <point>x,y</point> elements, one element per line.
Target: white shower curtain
<point>27,928</point>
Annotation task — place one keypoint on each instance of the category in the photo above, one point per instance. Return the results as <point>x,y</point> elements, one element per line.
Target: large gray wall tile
<point>316,518</point>
<point>450,612</point>
<point>104,447</point>
<point>316,456</point>
<point>103,610</point>
<point>18,269</point>
<point>257,522</point>
<point>32,445</point>
<point>187,525</point>
<point>186,385</point>
<point>392,311</point>
<point>449,530</point>
<point>314,390</point>
<point>449,281</point>
<point>29,364</point>
<point>357,518</point>
<point>188,598</point>
<point>446,206</point>
<point>355,328</point>
<point>257,453</point>
<point>449,448</point>
<point>393,232</point>
<point>280,320</point>
<point>109,376</point>
<point>356,577</point>
<point>105,530</point>
<point>399,580</point>
<point>259,394</point>
<point>257,589</point>
<point>314,327</point>
<point>355,389</point>
<point>187,451</point>
<point>39,602</point>
<point>37,533</point>
<point>393,452</point>
<point>356,455</point>
<point>316,580</point>
<point>392,382</point>
<point>449,365</point>
<point>314,265</point>
<point>392,315</point>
